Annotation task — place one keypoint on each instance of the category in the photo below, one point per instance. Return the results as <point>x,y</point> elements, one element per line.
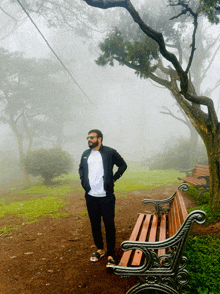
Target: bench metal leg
<point>163,288</point>
<point>202,192</point>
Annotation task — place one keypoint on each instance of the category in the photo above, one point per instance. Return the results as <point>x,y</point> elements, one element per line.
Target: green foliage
<point>204,264</point>
<point>34,208</point>
<point>211,9</point>
<point>48,163</point>
<point>140,55</point>
<point>213,215</point>
<point>131,181</point>
<point>194,192</point>
<point>178,157</point>
<point>49,191</point>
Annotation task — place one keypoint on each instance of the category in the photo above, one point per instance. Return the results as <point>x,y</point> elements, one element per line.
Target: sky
<point>123,106</point>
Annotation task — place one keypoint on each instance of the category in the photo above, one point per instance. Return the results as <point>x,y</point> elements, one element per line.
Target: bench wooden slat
<point>176,215</point>
<point>163,232</point>
<point>126,255</point>
<point>183,211</point>
<point>153,231</point>
<point>143,237</point>
<point>171,221</point>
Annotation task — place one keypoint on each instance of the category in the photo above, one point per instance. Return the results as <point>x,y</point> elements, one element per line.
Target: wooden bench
<point>198,177</point>
<point>154,252</point>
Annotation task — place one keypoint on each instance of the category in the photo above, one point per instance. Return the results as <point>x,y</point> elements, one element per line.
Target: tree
<point>206,124</point>
<point>48,163</point>
<point>32,99</point>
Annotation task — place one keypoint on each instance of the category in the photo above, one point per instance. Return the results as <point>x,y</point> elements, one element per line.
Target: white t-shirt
<point>96,173</point>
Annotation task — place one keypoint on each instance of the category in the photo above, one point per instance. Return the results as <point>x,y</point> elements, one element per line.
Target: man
<point>97,179</point>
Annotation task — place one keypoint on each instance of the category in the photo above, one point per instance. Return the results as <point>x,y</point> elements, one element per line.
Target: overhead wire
<point>55,54</point>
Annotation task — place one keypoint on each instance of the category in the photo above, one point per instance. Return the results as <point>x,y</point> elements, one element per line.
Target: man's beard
<point>93,145</point>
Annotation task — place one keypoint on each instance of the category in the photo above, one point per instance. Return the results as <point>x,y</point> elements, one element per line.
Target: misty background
<point>113,99</point>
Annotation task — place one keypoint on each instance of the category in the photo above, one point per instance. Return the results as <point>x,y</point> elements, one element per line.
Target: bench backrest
<point>200,170</point>
<point>177,213</point>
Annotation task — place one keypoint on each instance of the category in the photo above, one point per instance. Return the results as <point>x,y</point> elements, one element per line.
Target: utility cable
<point>28,15</point>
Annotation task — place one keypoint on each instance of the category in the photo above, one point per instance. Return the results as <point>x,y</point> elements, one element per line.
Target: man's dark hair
<point>99,133</point>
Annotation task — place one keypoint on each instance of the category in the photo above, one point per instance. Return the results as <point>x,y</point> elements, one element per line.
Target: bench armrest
<point>207,181</point>
<point>187,172</point>
<point>163,206</point>
<point>175,244</point>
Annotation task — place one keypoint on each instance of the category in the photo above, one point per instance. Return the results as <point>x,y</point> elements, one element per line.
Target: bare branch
<point>5,12</point>
<point>193,43</point>
<point>211,61</point>
<point>168,112</point>
<point>186,10</point>
<point>20,115</point>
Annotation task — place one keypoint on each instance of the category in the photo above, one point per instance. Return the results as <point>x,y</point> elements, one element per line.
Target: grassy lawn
<point>35,200</point>
<point>131,181</point>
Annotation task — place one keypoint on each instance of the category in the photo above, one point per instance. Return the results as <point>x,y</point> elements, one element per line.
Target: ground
<point>52,255</point>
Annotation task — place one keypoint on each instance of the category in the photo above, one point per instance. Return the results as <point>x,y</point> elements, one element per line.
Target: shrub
<point>48,163</point>
<point>204,264</point>
<point>179,157</point>
<point>194,192</point>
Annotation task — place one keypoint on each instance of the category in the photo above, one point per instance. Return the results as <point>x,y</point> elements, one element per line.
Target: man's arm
<point>81,168</point>
<point>122,166</point>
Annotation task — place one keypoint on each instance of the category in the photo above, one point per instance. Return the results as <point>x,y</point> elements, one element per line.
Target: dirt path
<point>52,255</point>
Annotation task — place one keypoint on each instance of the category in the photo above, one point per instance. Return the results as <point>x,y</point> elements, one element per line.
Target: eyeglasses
<point>91,137</point>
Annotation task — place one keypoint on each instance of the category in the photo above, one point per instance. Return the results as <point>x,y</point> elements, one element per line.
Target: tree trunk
<point>20,149</point>
<point>212,143</point>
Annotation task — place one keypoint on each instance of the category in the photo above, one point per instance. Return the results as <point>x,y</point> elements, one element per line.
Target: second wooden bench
<point>198,177</point>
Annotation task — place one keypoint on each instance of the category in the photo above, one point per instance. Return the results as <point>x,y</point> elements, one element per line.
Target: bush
<point>204,264</point>
<point>179,157</point>
<point>194,192</point>
<point>48,163</point>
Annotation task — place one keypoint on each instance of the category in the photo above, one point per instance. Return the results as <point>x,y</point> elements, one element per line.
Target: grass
<point>48,190</point>
<point>34,208</point>
<point>43,201</point>
<point>47,200</point>
<point>131,181</point>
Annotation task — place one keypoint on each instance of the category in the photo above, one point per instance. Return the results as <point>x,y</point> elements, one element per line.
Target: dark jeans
<point>102,207</point>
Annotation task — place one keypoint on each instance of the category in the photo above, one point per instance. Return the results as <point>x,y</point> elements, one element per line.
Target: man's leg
<point>108,213</point>
<point>94,211</point>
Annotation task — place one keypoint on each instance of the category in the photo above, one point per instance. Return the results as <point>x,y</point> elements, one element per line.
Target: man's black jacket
<point>110,157</point>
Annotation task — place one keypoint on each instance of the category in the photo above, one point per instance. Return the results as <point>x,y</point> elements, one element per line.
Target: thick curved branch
<point>202,100</point>
<point>105,4</point>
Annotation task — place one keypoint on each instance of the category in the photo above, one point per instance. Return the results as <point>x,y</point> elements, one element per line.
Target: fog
<point>113,99</point>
